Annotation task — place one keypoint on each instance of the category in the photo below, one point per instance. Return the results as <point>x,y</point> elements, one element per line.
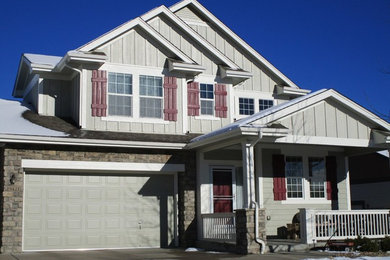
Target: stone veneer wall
<point>12,195</point>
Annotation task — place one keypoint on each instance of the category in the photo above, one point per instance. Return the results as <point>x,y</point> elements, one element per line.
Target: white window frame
<point>135,71</point>
<point>206,99</point>
<point>119,94</point>
<point>152,97</point>
<point>255,95</point>
<point>306,199</point>
<point>265,99</point>
<point>253,104</point>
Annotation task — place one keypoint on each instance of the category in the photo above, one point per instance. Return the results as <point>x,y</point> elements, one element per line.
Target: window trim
<point>119,94</point>
<point>306,199</point>
<point>151,97</point>
<point>135,71</point>
<point>206,99</point>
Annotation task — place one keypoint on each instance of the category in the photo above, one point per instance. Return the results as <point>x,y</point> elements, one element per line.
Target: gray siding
<point>135,48</point>
<point>281,213</point>
<point>328,119</point>
<point>261,80</point>
<point>56,98</point>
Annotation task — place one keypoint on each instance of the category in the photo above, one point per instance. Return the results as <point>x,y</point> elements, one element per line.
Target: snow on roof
<point>250,119</point>
<point>384,153</point>
<point>13,122</point>
<point>43,59</point>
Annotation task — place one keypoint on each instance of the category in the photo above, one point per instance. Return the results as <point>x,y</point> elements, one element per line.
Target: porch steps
<point>287,245</point>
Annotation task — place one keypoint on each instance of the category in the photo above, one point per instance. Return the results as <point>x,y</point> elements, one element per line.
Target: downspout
<point>256,220</point>
<point>80,94</point>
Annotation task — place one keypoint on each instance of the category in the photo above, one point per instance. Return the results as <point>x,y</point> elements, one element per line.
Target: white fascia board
<point>36,68</point>
<point>79,57</point>
<point>213,139</point>
<point>164,10</point>
<point>235,37</point>
<point>320,140</point>
<point>105,38</point>
<point>274,132</point>
<point>228,73</point>
<point>289,91</point>
<point>185,67</point>
<point>95,166</point>
<point>88,142</point>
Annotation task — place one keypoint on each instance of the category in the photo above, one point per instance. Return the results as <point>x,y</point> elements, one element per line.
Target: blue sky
<point>343,45</point>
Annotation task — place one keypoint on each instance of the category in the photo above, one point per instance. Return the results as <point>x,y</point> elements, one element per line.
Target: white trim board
<point>95,166</point>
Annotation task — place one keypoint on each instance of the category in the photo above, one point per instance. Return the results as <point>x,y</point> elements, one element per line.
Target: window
<point>317,175</point>
<point>294,177</point>
<point>246,106</point>
<point>120,90</point>
<point>151,96</point>
<point>265,104</point>
<point>207,99</point>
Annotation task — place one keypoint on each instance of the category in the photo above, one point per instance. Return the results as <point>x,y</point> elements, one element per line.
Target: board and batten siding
<point>56,98</point>
<point>282,213</point>
<point>327,119</point>
<point>130,124</point>
<point>261,81</point>
<point>135,48</point>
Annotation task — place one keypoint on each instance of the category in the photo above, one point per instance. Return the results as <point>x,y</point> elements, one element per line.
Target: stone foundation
<point>12,195</point>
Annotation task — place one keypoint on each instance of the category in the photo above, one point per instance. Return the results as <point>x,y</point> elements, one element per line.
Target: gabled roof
<point>266,117</point>
<point>214,20</point>
<point>98,42</point>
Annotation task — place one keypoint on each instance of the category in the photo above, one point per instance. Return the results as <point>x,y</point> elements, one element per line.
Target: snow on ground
<point>355,258</point>
<point>12,122</point>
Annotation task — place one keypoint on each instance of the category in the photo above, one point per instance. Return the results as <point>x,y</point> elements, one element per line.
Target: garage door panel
<point>80,211</point>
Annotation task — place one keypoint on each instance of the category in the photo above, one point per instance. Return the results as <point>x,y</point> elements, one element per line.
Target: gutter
<point>89,142</point>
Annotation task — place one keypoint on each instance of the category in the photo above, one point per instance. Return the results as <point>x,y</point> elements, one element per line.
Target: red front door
<point>222,190</point>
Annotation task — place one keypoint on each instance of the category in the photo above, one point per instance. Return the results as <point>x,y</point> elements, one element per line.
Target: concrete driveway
<point>152,254</point>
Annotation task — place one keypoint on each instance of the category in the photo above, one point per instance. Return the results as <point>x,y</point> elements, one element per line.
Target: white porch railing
<point>219,227</point>
<point>317,225</point>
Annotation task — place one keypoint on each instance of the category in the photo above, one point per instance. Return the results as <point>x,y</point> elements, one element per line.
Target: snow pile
<point>355,258</point>
<point>12,122</point>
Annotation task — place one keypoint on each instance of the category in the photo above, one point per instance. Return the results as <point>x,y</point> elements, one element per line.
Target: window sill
<point>306,201</point>
<point>205,117</point>
<point>135,120</point>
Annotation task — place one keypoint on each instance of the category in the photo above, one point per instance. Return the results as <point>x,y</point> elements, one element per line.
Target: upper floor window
<point>265,104</point>
<point>317,176</point>
<point>246,106</point>
<point>120,94</point>
<point>207,99</point>
<point>151,96</point>
<point>294,176</point>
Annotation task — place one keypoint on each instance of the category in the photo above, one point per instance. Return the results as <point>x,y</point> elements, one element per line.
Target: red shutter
<point>170,99</point>
<point>331,178</point>
<point>220,100</point>
<point>99,93</point>
<point>193,98</point>
<point>278,166</point>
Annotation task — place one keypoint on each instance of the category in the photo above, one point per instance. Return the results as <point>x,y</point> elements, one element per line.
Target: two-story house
<point>159,124</point>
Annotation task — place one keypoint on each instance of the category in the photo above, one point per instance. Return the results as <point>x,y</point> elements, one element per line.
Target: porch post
<point>248,174</point>
<point>347,183</point>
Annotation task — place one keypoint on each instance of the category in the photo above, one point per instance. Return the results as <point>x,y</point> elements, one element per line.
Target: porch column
<point>248,174</point>
<point>347,183</point>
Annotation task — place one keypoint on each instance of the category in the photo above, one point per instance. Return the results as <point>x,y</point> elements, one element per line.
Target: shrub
<point>385,244</point>
<point>366,245</point>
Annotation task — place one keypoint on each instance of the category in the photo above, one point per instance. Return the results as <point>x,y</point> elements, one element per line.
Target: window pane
<point>117,83</point>
<point>151,107</point>
<point>150,86</point>
<point>206,107</point>
<point>119,105</point>
<point>294,175</point>
<point>246,106</point>
<point>317,174</point>
<point>265,104</point>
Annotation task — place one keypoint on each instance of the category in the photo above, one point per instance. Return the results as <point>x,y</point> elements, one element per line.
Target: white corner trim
<point>320,140</point>
<point>45,165</point>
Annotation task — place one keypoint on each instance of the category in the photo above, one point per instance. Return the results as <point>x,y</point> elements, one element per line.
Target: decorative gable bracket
<point>290,91</point>
<point>190,69</point>
<point>236,76</point>
<point>380,137</point>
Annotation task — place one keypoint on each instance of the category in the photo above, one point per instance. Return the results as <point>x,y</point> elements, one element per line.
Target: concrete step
<point>286,245</point>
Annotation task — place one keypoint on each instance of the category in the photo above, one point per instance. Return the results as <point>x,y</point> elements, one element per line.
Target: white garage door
<point>73,211</point>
